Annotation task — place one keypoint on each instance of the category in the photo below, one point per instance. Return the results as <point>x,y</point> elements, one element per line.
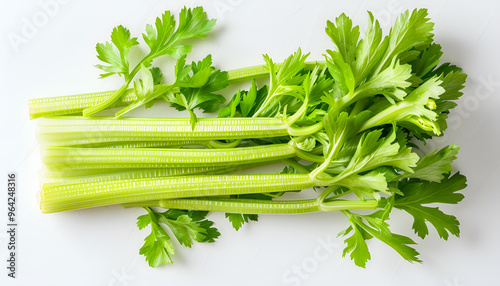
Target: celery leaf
<point>435,165</point>
<point>186,226</point>
<point>418,193</point>
<point>118,62</point>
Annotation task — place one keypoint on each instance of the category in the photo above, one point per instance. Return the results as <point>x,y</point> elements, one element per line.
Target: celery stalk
<point>77,130</point>
<point>77,196</point>
<point>51,178</point>
<point>74,104</point>
<point>248,206</point>
<point>92,158</point>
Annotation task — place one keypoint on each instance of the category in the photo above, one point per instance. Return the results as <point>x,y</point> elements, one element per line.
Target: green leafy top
<point>409,31</point>
<point>197,83</point>
<point>244,103</point>
<point>186,226</point>
<point>426,60</point>
<point>365,227</point>
<point>344,36</point>
<point>357,61</point>
<point>285,79</point>
<point>115,54</point>
<point>164,38</point>
<point>403,67</point>
<point>353,118</point>
<point>416,109</point>
<point>193,87</point>
<point>369,50</point>
<point>434,166</point>
<point>417,193</point>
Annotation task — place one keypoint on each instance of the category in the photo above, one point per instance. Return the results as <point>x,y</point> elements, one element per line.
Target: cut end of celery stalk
<point>73,104</point>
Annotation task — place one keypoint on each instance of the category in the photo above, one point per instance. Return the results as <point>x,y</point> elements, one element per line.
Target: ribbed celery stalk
<point>145,144</point>
<point>92,158</point>
<point>48,175</point>
<point>245,206</point>
<point>248,206</point>
<point>74,104</point>
<point>60,177</point>
<point>77,196</point>
<point>48,180</point>
<point>77,130</point>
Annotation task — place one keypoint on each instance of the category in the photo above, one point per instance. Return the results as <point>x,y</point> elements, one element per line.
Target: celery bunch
<point>345,126</point>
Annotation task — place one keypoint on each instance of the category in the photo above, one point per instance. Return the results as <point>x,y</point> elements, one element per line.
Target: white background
<point>100,246</point>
